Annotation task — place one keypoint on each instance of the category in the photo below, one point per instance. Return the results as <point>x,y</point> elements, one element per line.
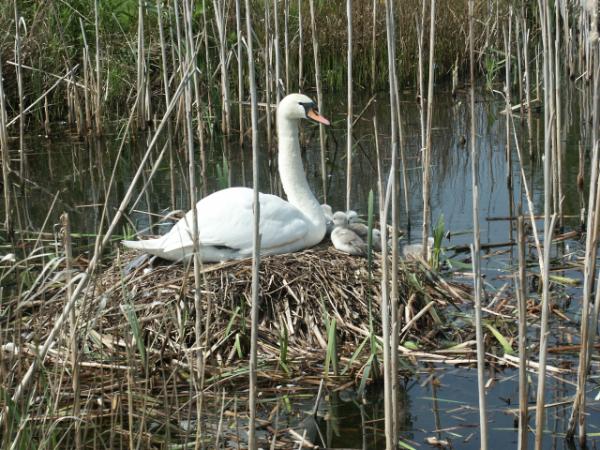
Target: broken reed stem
<point>252,444</point>
<point>520,288</point>
<point>476,247</point>
<point>349,108</point>
<point>315,45</point>
<point>74,342</point>
<point>427,149</point>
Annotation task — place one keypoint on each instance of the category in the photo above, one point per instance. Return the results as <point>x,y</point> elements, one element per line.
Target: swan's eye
<point>308,106</point>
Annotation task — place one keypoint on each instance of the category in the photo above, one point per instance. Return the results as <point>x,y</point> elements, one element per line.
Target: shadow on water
<point>438,402</point>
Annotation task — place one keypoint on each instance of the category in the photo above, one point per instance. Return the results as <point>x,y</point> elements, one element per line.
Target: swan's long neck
<point>292,173</point>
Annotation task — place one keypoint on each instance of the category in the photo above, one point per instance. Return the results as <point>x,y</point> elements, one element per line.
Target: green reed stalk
<point>476,247</point>
<point>255,235</point>
<point>349,116</point>
<point>315,45</point>
<point>427,149</point>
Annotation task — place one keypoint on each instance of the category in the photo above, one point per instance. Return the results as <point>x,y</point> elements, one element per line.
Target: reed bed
<point>138,343</point>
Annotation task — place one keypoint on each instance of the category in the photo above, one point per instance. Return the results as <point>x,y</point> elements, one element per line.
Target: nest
<point>314,303</point>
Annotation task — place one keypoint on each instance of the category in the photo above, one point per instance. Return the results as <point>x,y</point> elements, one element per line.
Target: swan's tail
<point>152,246</point>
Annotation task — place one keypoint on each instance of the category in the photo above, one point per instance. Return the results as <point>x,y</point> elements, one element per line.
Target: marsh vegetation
<point>474,123</point>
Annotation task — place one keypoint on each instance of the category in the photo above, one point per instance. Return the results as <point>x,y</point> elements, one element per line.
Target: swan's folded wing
<point>225,218</point>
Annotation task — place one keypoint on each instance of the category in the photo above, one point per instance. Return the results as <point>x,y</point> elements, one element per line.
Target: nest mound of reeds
<point>314,305</point>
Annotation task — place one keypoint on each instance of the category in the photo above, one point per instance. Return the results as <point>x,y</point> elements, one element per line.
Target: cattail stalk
<point>255,235</point>
<point>475,248</point>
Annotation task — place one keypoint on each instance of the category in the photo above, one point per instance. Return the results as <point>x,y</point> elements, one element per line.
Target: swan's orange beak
<point>317,117</point>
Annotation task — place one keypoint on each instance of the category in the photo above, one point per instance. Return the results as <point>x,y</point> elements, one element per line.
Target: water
<point>439,400</point>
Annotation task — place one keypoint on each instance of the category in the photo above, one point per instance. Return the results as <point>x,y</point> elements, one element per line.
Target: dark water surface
<point>441,400</point>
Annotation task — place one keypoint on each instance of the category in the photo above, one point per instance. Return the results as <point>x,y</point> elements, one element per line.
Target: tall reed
<point>252,444</point>
<point>315,45</point>
<point>427,148</point>
<point>476,248</point>
<point>8,225</point>
<point>349,117</point>
<point>549,122</point>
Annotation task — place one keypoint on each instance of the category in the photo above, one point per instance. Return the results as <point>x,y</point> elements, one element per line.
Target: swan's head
<point>299,106</point>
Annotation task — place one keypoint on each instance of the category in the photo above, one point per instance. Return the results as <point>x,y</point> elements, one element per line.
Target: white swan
<point>344,239</point>
<point>225,218</point>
